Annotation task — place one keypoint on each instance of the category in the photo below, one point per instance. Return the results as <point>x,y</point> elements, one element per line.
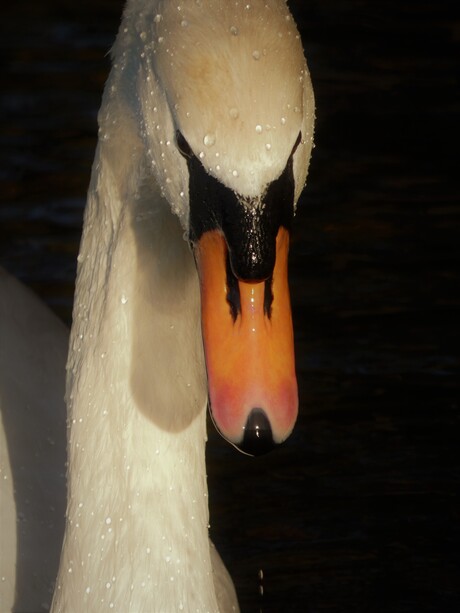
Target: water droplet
<point>256,54</point>
<point>258,129</point>
<point>184,23</point>
<point>157,18</point>
<point>108,521</point>
<point>124,299</point>
<point>234,31</point>
<point>283,121</point>
<point>209,140</point>
<point>268,146</point>
<point>234,112</point>
<point>235,173</point>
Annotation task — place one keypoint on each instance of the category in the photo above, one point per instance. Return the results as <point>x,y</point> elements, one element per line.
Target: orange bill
<point>249,350</point>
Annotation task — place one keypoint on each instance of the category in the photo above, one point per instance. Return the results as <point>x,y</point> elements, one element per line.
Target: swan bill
<point>249,347</point>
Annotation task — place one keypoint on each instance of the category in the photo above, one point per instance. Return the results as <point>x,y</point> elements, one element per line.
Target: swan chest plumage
<point>205,130</point>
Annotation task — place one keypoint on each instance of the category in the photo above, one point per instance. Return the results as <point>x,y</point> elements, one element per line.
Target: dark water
<point>359,511</point>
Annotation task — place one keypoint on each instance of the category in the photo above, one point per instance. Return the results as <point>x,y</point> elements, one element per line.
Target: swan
<point>33,350</point>
<point>205,135</point>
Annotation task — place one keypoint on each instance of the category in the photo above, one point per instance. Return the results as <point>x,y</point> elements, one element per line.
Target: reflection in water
<point>357,511</point>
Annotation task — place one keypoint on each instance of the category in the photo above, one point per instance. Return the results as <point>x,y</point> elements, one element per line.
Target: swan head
<point>227,112</point>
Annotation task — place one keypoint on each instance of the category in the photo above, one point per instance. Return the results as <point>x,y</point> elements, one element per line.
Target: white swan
<point>33,350</point>
<point>205,129</point>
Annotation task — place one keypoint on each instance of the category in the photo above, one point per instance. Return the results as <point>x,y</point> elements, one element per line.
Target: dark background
<point>359,511</point>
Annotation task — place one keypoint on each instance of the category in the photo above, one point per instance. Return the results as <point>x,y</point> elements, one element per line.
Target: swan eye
<point>183,145</point>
